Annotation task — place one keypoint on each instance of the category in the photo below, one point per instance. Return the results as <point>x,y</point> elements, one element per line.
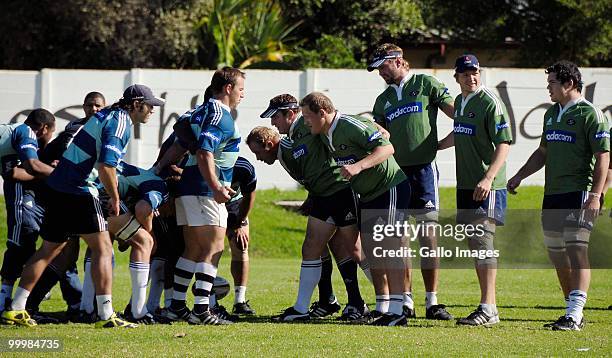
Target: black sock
<point>348,271</point>
<point>46,282</point>
<point>326,290</point>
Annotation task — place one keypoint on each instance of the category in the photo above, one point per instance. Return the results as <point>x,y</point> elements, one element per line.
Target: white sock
<point>395,304</point>
<point>382,303</point>
<point>156,276</point>
<point>577,300</point>
<point>431,299</point>
<point>139,272</point>
<point>168,292</point>
<point>6,293</point>
<point>489,308</point>
<point>239,294</point>
<point>566,303</point>
<point>20,299</point>
<point>105,306</point>
<point>89,292</point>
<point>408,300</point>
<point>310,274</point>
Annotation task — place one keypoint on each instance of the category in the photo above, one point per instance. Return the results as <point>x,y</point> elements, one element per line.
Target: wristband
<point>596,195</point>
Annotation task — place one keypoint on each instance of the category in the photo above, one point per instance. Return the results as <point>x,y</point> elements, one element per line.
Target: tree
<point>361,24</point>
<point>245,33</point>
<point>545,30</point>
<point>99,34</point>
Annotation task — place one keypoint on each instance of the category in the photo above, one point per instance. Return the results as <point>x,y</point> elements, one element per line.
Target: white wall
<point>353,92</point>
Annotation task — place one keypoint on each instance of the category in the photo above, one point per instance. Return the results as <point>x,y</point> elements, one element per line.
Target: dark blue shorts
<point>564,210</point>
<point>233,207</point>
<point>469,210</point>
<point>424,180</point>
<point>339,209</point>
<point>390,206</point>
<point>70,214</point>
<point>24,214</point>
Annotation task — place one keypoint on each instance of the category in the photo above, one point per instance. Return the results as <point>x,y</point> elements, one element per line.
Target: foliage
<point>544,30</point>
<point>245,33</point>
<point>99,34</point>
<point>329,52</point>
<point>361,24</point>
<point>122,34</point>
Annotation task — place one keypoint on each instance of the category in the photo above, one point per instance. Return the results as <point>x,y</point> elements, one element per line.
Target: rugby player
<point>331,220</point>
<point>482,138</point>
<point>574,148</point>
<point>366,160</point>
<point>408,110</point>
<point>63,268</point>
<point>201,192</point>
<point>19,144</point>
<point>100,145</point>
<point>244,183</point>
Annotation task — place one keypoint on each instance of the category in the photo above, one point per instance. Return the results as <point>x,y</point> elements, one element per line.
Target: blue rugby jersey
<point>104,139</point>
<point>213,125</point>
<point>244,180</point>
<point>17,144</point>
<point>140,184</point>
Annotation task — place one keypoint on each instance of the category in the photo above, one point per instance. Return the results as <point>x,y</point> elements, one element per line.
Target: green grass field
<point>526,298</point>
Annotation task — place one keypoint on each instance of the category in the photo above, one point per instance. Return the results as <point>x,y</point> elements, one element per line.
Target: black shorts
<point>232,215</point>
<point>390,207</point>
<point>169,237</point>
<point>70,214</point>
<point>564,210</point>
<point>339,209</point>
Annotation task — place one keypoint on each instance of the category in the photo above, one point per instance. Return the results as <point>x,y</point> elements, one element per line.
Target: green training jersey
<point>481,124</point>
<point>306,159</point>
<point>352,138</point>
<point>409,112</point>
<point>571,137</point>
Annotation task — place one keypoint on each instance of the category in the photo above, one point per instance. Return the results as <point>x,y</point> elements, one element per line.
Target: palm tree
<point>246,32</point>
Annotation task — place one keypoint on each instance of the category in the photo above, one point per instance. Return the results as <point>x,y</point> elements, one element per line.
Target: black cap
<point>141,93</point>
<point>274,107</point>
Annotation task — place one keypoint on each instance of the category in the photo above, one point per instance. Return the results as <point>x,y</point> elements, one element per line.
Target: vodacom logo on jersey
<point>408,108</point>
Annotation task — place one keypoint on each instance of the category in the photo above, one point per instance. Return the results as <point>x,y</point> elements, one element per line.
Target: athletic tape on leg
<point>484,243</point>
<point>554,241</point>
<point>576,237</point>
<point>129,229</point>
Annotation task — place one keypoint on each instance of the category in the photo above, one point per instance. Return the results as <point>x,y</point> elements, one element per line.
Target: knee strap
<point>554,241</point>
<point>129,229</point>
<point>483,244</point>
<point>576,237</point>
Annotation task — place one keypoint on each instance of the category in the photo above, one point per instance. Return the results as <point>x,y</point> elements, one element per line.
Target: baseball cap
<point>142,93</point>
<point>274,106</point>
<point>379,58</point>
<point>466,62</point>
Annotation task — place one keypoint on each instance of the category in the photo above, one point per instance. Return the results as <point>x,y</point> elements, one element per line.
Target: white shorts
<point>192,210</point>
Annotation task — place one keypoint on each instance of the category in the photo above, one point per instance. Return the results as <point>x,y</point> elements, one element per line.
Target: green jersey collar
<point>568,105</point>
<point>399,88</point>
<point>464,101</point>
<point>332,127</point>
<point>292,127</point>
